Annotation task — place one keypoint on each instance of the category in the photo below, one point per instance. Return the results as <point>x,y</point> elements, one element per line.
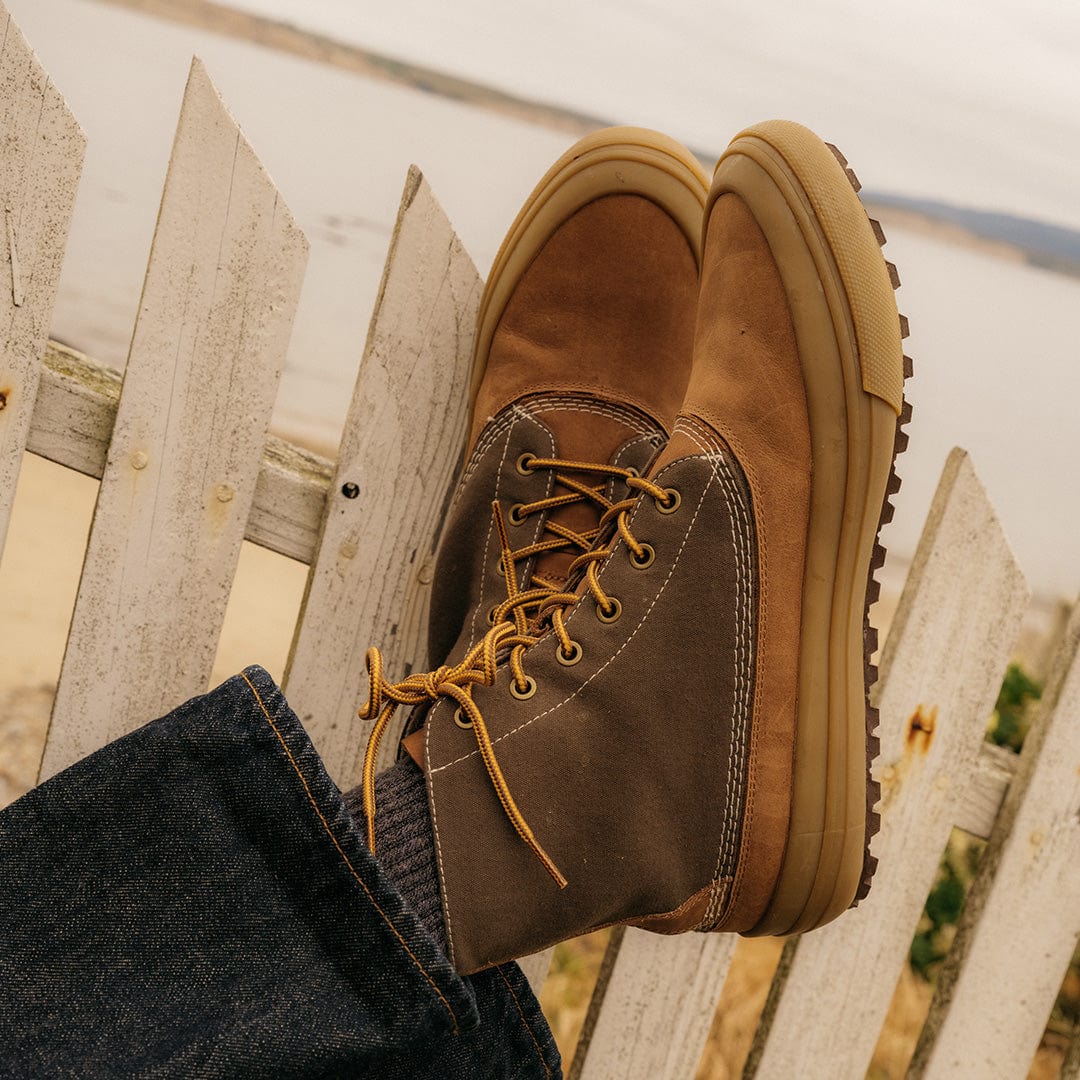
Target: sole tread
<point>873,586</point>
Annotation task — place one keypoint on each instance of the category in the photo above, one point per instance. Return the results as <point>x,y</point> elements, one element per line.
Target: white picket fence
<point>188,471</point>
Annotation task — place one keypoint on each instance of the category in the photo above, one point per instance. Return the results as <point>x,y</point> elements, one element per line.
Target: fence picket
<point>218,302</point>
<point>941,667</point>
<point>650,1016</point>
<point>370,581</point>
<point>1021,920</point>
<point>39,177</point>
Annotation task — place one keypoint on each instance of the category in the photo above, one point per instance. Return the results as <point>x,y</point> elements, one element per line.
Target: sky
<point>974,104</point>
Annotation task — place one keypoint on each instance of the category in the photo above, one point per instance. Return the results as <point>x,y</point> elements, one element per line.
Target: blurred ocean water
<point>929,115</point>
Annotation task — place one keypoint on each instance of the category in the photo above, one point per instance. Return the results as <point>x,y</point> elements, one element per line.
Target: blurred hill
<point>1051,247</point>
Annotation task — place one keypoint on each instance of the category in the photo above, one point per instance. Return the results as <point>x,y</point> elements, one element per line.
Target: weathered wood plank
<point>981,799</point>
<point>75,411</point>
<point>404,435</point>
<point>209,342</point>
<point>650,1015</point>
<point>43,150</point>
<point>1021,919</point>
<point>941,668</point>
<point>536,968</point>
<point>73,421</point>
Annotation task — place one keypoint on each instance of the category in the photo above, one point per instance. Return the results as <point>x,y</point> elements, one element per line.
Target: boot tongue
<point>588,433</point>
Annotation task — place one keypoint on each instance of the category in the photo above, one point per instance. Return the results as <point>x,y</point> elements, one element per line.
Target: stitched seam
<point>538,529</point>
<point>344,857</point>
<point>654,439</point>
<point>711,454</point>
<point>742,673</point>
<point>746,647</point>
<point>599,409</point>
<point>484,446</point>
<point>438,844</point>
<point>741,543</point>
<point>761,547</point>
<point>518,414</point>
<point>644,618</point>
<point>543,405</point>
<point>730,805</point>
<point>521,1013</point>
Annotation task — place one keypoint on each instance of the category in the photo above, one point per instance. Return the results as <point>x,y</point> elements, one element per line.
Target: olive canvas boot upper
<point>678,738</point>
<point>582,359</point>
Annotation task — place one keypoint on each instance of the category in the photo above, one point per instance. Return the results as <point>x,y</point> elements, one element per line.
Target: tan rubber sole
<point>840,291</point>
<point>616,160</point>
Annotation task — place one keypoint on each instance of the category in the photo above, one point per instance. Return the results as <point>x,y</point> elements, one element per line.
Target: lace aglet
<point>556,875</point>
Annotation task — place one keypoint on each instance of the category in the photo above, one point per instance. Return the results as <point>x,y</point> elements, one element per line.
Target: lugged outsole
<point>873,586</point>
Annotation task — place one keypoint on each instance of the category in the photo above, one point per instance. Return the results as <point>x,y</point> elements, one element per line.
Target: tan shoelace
<point>506,642</point>
<point>561,537</point>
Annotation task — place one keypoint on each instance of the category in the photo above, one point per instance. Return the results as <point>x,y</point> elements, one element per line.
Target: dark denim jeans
<point>194,900</point>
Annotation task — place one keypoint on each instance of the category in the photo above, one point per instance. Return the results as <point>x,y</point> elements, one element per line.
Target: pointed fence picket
<point>40,165</point>
<point>187,471</point>
<point>941,668</point>
<point>217,307</point>
<point>404,436</point>
<point>1031,866</point>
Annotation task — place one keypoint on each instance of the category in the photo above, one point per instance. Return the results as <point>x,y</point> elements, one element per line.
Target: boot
<point>678,738</point>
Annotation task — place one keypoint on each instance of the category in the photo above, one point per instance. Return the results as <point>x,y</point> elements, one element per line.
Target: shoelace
<point>561,537</point>
<point>507,643</point>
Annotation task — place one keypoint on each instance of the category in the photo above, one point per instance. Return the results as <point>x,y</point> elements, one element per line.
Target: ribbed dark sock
<point>404,844</point>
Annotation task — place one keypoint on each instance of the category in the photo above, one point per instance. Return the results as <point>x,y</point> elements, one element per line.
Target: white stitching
<point>742,544</point>
<point>611,659</point>
<point>518,414</point>
<point>654,439</point>
<point>539,406</point>
<point>438,845</point>
<point>712,454</point>
<point>565,403</point>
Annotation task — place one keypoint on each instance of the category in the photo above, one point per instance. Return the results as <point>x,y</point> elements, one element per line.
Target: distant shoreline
<point>1000,235</point>
<point>288,38</point>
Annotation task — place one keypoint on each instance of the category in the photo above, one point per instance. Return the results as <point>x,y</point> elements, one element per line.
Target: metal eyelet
<point>523,695</point>
<point>612,614</point>
<point>644,559</point>
<point>524,464</point>
<point>466,724</point>
<point>515,516</point>
<point>671,502</point>
<point>491,614</point>
<point>633,472</point>
<point>499,567</point>
<point>573,657</point>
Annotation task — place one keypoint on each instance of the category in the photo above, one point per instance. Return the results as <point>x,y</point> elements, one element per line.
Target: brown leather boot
<point>681,741</point>
<point>581,361</point>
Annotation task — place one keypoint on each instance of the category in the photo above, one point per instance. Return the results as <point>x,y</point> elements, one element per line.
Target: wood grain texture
<point>653,1009</point>
<point>43,150</point>
<point>1021,919</point>
<point>209,342</point>
<point>73,419</point>
<point>404,436</point>
<point>941,668</point>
